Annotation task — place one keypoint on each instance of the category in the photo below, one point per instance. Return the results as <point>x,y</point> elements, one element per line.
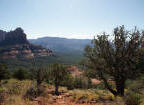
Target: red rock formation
<point>14,44</point>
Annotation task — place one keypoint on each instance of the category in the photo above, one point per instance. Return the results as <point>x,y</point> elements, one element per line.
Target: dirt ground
<point>65,100</point>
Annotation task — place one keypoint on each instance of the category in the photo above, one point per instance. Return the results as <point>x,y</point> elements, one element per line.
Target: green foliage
<point>136,86</point>
<point>89,83</point>
<point>99,86</point>
<point>80,82</point>
<point>15,88</point>
<point>41,61</point>
<point>90,73</point>
<point>39,74</point>
<point>21,74</point>
<point>68,82</point>
<point>59,73</point>
<point>77,83</point>
<point>117,59</point>
<point>34,92</point>
<point>4,72</point>
<point>133,99</point>
<point>31,93</point>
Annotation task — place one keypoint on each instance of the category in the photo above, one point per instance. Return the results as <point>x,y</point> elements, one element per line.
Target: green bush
<point>89,83</point>
<point>80,82</point>
<point>34,92</point>
<point>68,82</point>
<point>133,99</point>
<point>99,86</point>
<point>15,88</point>
<point>21,74</point>
<point>31,93</point>
<point>76,83</point>
<point>4,72</point>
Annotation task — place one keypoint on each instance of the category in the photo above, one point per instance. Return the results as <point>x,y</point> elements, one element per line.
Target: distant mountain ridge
<point>62,45</point>
<point>14,44</point>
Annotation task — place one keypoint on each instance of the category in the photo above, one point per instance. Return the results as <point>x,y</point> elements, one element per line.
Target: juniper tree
<point>59,74</point>
<point>116,59</point>
<point>39,75</point>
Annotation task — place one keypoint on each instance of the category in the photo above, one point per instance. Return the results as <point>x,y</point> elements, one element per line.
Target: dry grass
<point>17,89</point>
<point>14,86</point>
<point>17,100</point>
<point>89,96</point>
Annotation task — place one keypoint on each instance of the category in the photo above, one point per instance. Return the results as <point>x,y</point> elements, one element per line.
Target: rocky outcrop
<point>14,44</point>
<point>2,35</point>
<point>14,37</point>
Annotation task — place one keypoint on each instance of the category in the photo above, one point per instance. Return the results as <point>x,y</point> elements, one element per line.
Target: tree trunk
<point>38,82</point>
<point>107,84</point>
<point>109,88</point>
<point>0,82</point>
<point>38,87</point>
<point>56,89</point>
<point>120,85</point>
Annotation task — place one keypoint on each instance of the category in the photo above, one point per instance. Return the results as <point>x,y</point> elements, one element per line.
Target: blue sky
<point>70,18</point>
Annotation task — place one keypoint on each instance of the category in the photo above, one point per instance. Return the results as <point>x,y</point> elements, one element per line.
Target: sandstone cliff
<point>14,44</point>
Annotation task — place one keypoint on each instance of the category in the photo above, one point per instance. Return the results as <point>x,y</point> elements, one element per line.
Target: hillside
<point>69,51</point>
<point>62,45</point>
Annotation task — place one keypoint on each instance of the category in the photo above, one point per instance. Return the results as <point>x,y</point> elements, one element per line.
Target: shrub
<point>80,83</point>
<point>31,93</point>
<point>75,83</point>
<point>68,82</point>
<point>34,92</point>
<point>2,96</point>
<point>39,75</point>
<point>133,99</point>
<point>99,86</point>
<point>89,83</point>
<point>21,74</point>
<point>4,72</point>
<point>83,96</point>
<point>15,88</point>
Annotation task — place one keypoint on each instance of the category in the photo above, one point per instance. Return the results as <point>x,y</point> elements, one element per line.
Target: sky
<point>70,18</point>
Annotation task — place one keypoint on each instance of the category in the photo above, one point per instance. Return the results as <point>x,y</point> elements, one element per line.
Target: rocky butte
<point>14,44</point>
